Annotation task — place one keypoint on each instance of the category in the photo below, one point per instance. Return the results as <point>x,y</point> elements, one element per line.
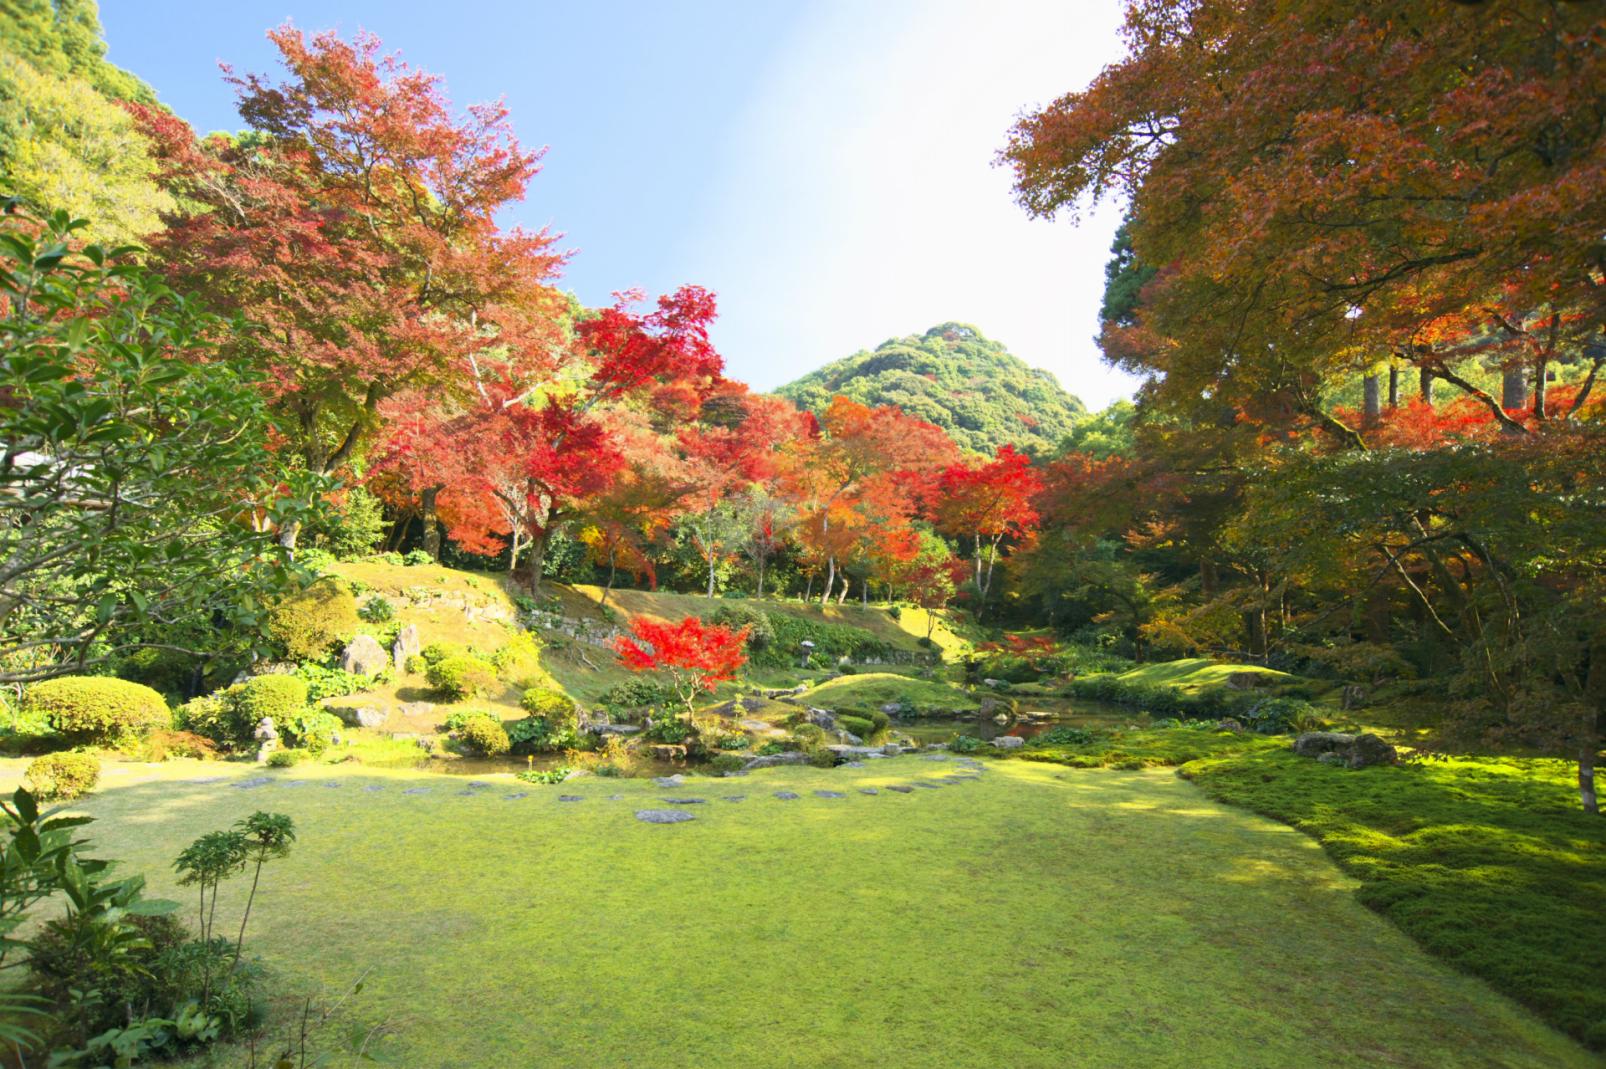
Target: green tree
<point>136,482</point>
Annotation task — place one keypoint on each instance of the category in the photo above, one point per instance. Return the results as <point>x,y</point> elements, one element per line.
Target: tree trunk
<point>288,535</point>
<point>513,556</point>
<point>532,580</point>
<point>864,592</point>
<point>830,580</point>
<point>1424,385</point>
<point>1208,577</point>
<point>1514,388</point>
<point>711,563</point>
<point>760,577</point>
<point>1586,777</point>
<point>432,531</point>
<point>808,591</point>
<point>1540,388</point>
<point>1394,387</point>
<point>1372,401</point>
<point>613,568</point>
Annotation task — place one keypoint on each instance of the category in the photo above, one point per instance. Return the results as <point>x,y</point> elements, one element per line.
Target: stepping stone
<point>373,787</point>
<point>900,788</point>
<point>571,798</point>
<point>677,780</point>
<point>935,757</point>
<point>829,794</point>
<point>416,790</point>
<point>663,816</point>
<point>929,785</point>
<point>785,796</point>
<point>468,794</point>
<point>685,801</point>
<point>868,790</point>
<point>853,764</point>
<point>294,783</point>
<point>515,797</point>
<point>332,783</point>
<point>473,783</point>
<point>735,797</point>
<point>207,779</point>
<point>253,783</point>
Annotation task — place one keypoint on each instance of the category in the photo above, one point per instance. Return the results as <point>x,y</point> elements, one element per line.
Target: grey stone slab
<point>930,786</point>
<point>571,798</point>
<point>372,787</point>
<point>735,797</point>
<point>663,816</point>
<point>829,794</point>
<point>252,783</point>
<point>416,790</point>
<point>515,796</point>
<point>868,790</point>
<point>900,788</point>
<point>785,796</point>
<point>685,801</point>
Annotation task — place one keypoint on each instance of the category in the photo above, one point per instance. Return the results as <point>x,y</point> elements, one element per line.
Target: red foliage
<point>695,655</point>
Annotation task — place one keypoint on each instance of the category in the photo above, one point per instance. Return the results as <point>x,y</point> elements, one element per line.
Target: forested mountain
<point>953,376</point>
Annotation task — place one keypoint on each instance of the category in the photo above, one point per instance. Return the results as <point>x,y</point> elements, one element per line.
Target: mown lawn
<point>1036,916</point>
<point>1488,862</point>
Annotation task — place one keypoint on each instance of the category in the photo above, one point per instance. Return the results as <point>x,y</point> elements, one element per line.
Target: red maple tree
<point>694,656</point>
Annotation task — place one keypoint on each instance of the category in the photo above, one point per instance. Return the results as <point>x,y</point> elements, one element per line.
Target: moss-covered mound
<point>859,694</point>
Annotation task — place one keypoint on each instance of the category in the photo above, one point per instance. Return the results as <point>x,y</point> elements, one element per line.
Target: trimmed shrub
<point>551,705</point>
<point>462,677</point>
<point>218,718</point>
<point>858,725</point>
<point>377,610</point>
<point>164,671</point>
<point>634,695</point>
<point>832,642</point>
<point>482,735</point>
<point>331,682</point>
<point>281,697</point>
<point>414,557</point>
<point>964,744</point>
<point>63,775</point>
<point>286,758</point>
<point>414,664</point>
<point>162,745</point>
<point>311,623</point>
<point>727,762</point>
<point>97,709</point>
<point>760,631</point>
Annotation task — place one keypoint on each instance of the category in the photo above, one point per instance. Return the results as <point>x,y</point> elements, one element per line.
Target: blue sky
<point>825,167</point>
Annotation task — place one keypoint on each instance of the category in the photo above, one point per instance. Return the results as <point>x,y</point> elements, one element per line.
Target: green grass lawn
<point>867,691</point>
<point>1037,916</point>
<point>1192,674</point>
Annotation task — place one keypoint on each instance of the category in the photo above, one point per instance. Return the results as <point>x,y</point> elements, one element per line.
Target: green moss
<point>1196,673</point>
<point>1488,863</point>
<point>861,694</point>
<point>1119,918</point>
<point>1143,748</point>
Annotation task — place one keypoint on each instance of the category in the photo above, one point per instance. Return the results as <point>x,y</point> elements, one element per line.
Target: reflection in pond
<point>1037,715</point>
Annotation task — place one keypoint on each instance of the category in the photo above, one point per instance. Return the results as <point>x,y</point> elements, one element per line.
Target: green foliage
<point>832,642</point>
<point>544,775</point>
<point>1136,748</point>
<point>415,557</point>
<point>771,748</point>
<point>168,672</point>
<point>281,697</point>
<point>414,664</point>
<point>1486,862</point>
<point>350,529</point>
<point>462,676</point>
<point>64,775</point>
<point>312,623</point>
<point>952,376</point>
<point>551,705</point>
<point>1067,735</point>
<point>760,630</point>
<point>287,758</point>
<point>668,727</point>
<point>330,682</point>
<point>857,725</point>
<point>436,652</point>
<point>484,736</point>
<point>636,694</point>
<point>726,762</point>
<point>114,395</point>
<point>377,610</point>
<point>97,709</point>
<point>964,744</point>
<point>313,730</point>
<point>519,657</point>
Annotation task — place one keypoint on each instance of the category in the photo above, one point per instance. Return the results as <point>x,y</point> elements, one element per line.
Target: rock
<point>1249,680</point>
<point>571,798</point>
<point>616,729</point>
<point>1001,719</point>
<point>1009,742</point>
<point>868,790</point>
<point>405,646</point>
<point>822,717</point>
<point>736,798</point>
<point>1352,697</point>
<point>994,683</point>
<point>892,749</point>
<point>515,796</point>
<point>1352,751</point>
<point>364,656</point>
<point>663,816</point>
<point>249,784</point>
<point>416,790</point>
<point>786,796</point>
<point>369,717</point>
<point>849,738</point>
<point>577,773</point>
<point>686,801</point>
<point>267,737</point>
<point>790,757</point>
<point>664,751</point>
<point>677,780</point>
<point>892,708</point>
<point>829,794</point>
<point>416,708</point>
<point>900,788</point>
<point>1231,725</point>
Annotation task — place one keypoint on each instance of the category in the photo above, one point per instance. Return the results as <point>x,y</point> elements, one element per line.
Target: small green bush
<point>462,677</point>
<point>760,631</point>
<point>63,775</point>
<point>518,657</point>
<point>97,709</point>
<point>164,671</point>
<point>964,744</point>
<point>281,697</point>
<point>544,775</point>
<point>330,682</point>
<point>771,748</point>
<point>415,664</point>
<point>436,652</point>
<point>550,704</point>
<point>858,725</point>
<point>482,735</point>
<point>634,695</point>
<point>214,717</point>
<point>286,758</point>
<point>376,610</point>
<point>312,623</point>
<point>313,730</point>
<point>727,762</point>
<point>414,557</point>
<point>1064,735</point>
<point>669,728</point>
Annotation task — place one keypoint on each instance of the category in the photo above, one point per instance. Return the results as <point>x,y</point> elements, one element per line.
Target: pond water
<point>1044,713</point>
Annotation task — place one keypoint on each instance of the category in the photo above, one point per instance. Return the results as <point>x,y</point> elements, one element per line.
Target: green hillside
<point>967,384</point>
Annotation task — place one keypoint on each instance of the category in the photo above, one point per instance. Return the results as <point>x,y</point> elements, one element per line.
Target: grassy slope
<point>1193,674</point>
<point>871,690</point>
<point>1038,917</point>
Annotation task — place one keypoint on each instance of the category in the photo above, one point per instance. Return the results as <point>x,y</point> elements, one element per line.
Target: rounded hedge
<point>63,775</point>
<point>551,705</point>
<point>97,709</point>
<point>311,623</point>
<point>281,697</point>
<point>462,677</point>
<point>483,735</point>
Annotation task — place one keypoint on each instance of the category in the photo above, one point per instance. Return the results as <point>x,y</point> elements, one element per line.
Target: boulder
<point>364,656</point>
<point>1352,751</point>
<point>994,683</point>
<point>416,708</point>
<point>821,717</point>
<point>1352,697</point>
<point>677,780</point>
<point>369,717</point>
<point>892,708</point>
<point>790,757</point>
<point>1249,680</point>
<point>616,729</point>
<point>267,737</point>
<point>405,646</point>
<point>848,737</point>
<point>1231,725</point>
<point>1009,742</point>
<point>892,749</point>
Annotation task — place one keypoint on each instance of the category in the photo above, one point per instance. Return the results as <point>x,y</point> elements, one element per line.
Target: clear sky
<point>825,167</point>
